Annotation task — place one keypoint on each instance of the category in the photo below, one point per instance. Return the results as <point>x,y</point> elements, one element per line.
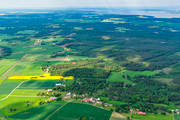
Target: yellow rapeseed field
<point>46,76</point>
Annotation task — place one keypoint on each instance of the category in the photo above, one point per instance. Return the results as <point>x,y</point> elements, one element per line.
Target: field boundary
<point>12,91</point>
<point>11,68</point>
<point>47,118</point>
<point>92,105</point>
<point>25,96</point>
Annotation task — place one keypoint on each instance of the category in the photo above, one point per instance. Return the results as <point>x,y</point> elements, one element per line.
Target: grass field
<point>38,113</point>
<point>12,100</point>
<point>177,117</point>
<point>25,68</point>
<point>39,84</point>
<point>5,64</point>
<point>153,117</point>
<point>7,87</point>
<point>73,111</point>
<point>116,102</point>
<point>119,76</point>
<point>26,92</point>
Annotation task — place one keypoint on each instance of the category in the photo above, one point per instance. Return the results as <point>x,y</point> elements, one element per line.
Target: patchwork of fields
<point>119,62</point>
<point>56,112</point>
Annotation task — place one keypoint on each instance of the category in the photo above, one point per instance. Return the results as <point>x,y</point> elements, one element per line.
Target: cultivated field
<point>76,111</point>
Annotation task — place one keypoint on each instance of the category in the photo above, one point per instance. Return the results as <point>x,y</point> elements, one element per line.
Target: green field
<point>19,103</point>
<point>39,84</point>
<point>177,117</point>
<point>75,111</point>
<point>121,76</point>
<point>5,64</point>
<point>25,68</point>
<point>7,87</point>
<point>153,117</point>
<point>38,113</point>
<point>26,92</point>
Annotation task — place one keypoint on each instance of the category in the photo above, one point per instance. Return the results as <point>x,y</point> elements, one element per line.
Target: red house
<point>141,113</point>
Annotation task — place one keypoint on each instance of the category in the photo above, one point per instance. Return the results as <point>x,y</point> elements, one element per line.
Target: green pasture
<point>5,64</point>
<point>39,84</point>
<point>153,117</point>
<point>45,49</point>
<point>116,102</point>
<point>7,87</point>
<point>120,76</point>
<point>76,110</point>
<point>177,117</point>
<point>14,99</point>
<point>25,68</point>
<point>19,103</point>
<point>26,92</point>
<point>38,113</point>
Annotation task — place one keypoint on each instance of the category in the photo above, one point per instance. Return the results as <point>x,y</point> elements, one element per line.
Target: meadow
<point>82,111</point>
<point>40,112</point>
<point>19,103</point>
<point>26,92</point>
<point>176,117</point>
<point>125,75</point>
<point>153,117</point>
<point>5,64</point>
<point>39,84</point>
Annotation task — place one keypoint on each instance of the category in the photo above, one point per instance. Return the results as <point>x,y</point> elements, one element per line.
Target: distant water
<point>156,12</point>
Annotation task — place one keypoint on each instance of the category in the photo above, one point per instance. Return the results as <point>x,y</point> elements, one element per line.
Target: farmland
<point>33,113</point>
<point>155,117</point>
<point>82,111</point>
<point>118,62</point>
<point>123,76</point>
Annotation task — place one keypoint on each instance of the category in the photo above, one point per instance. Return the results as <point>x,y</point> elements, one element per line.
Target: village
<point>84,98</point>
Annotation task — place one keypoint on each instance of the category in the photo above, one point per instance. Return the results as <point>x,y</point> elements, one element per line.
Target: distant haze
<point>10,4</point>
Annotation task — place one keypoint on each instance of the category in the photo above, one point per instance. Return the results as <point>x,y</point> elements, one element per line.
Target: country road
<point>12,91</point>
<point>55,111</point>
<point>5,73</point>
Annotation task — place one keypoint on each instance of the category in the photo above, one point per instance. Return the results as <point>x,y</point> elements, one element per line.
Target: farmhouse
<point>141,113</point>
<point>46,76</point>
<point>53,98</point>
<point>49,90</point>
<point>60,84</point>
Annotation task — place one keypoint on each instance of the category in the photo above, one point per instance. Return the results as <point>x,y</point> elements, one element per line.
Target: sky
<point>10,4</point>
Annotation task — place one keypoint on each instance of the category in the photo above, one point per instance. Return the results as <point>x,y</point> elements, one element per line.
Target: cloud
<point>85,3</point>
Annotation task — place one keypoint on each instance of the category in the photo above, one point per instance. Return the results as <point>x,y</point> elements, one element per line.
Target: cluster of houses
<point>68,95</point>
<point>137,111</point>
<point>85,99</point>
<point>97,101</point>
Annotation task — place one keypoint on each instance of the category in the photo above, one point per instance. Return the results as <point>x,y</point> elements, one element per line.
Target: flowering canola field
<point>46,76</point>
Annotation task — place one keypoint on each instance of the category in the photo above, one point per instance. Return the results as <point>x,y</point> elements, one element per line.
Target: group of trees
<point>4,51</point>
<point>144,93</point>
<point>88,80</point>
